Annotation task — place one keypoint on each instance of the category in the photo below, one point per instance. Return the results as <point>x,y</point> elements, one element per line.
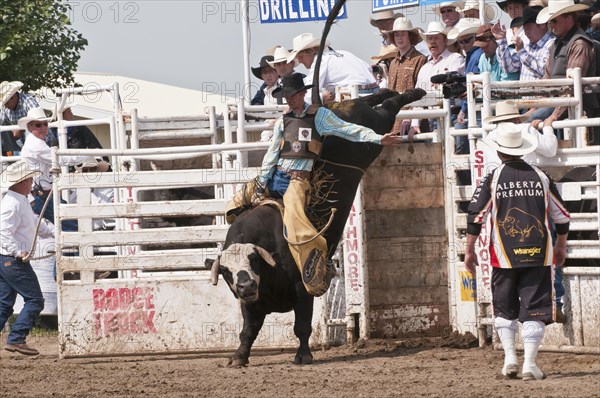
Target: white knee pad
<point>503,323</point>
<point>533,331</point>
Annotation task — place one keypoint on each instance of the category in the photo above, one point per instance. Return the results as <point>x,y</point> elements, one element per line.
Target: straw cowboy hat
<point>509,139</point>
<point>302,42</point>
<point>386,51</point>
<point>405,25</point>
<point>382,15</point>
<point>435,28</point>
<point>458,5</point>
<point>489,13</point>
<point>8,89</point>
<point>596,18</point>
<point>34,114</point>
<point>484,35</point>
<point>465,26</point>
<point>91,162</point>
<point>290,85</point>
<point>505,110</point>
<point>264,63</point>
<point>15,173</point>
<point>280,55</point>
<point>559,7</point>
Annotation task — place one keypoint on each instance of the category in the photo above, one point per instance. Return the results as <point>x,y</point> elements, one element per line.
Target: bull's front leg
<point>303,311</point>
<point>253,322</point>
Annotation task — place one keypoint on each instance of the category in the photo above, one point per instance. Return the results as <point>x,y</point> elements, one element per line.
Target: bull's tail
<point>320,233</point>
<point>335,10</point>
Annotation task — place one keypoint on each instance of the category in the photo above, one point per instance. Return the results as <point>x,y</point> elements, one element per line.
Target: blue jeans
<point>278,184</point>
<point>18,278</point>
<point>559,288</point>
<point>38,205</point>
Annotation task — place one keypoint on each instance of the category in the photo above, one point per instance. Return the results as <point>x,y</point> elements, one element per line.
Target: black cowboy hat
<point>503,4</point>
<point>290,85</point>
<point>529,15</point>
<point>263,64</point>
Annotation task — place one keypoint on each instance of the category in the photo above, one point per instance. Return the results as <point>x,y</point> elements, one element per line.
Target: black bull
<point>280,288</point>
<point>277,287</point>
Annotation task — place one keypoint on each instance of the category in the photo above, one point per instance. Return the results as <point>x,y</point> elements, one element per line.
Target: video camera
<point>453,84</point>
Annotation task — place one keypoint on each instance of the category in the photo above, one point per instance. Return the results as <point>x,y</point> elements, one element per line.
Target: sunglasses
<point>484,38</point>
<point>40,124</point>
<point>466,41</point>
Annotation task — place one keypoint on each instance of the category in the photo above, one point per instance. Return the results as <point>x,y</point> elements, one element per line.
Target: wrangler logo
<point>527,251</point>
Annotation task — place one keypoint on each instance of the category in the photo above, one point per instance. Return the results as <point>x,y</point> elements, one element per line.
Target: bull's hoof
<point>305,359</point>
<point>237,363</point>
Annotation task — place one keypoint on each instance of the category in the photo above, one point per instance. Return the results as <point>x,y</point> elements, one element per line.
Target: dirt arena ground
<point>377,368</point>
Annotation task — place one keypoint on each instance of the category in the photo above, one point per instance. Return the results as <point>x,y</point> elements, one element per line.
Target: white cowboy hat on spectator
<point>280,55</point>
<point>91,162</point>
<point>302,42</point>
<point>381,15</point>
<point>505,110</point>
<point>15,173</point>
<point>559,7</point>
<point>8,89</point>
<point>456,4</point>
<point>489,15</point>
<point>386,51</point>
<point>435,28</point>
<point>595,18</point>
<point>510,140</point>
<point>405,25</point>
<point>34,114</point>
<point>465,26</point>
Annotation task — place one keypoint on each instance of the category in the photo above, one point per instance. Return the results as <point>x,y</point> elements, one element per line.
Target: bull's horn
<point>265,255</point>
<point>214,272</point>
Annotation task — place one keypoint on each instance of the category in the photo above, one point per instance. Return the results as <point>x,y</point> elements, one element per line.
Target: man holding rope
<point>17,236</point>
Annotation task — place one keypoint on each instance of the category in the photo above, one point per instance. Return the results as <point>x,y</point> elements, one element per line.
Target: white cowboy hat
<point>595,18</point>
<point>510,140</point>
<point>302,42</point>
<point>405,25</point>
<point>15,173</point>
<point>91,162</point>
<point>280,55</point>
<point>489,15</point>
<point>456,4</point>
<point>381,15</point>
<point>34,114</point>
<point>8,89</point>
<point>435,28</point>
<point>386,51</point>
<point>465,26</point>
<point>505,110</point>
<point>558,7</point>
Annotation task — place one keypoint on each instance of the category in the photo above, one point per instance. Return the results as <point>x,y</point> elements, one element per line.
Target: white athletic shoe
<point>533,373</point>
<point>510,370</point>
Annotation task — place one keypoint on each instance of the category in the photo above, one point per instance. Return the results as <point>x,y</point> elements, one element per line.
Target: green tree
<point>37,45</point>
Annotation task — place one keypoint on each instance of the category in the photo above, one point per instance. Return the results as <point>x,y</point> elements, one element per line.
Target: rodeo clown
<point>286,169</point>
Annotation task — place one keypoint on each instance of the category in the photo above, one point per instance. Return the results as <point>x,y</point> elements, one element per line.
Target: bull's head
<point>239,264</point>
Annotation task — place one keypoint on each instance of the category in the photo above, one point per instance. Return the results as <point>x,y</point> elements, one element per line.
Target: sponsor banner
<point>272,11</point>
<point>382,5</point>
<point>468,287</point>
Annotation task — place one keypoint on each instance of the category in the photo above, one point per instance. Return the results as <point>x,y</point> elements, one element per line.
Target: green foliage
<point>37,45</point>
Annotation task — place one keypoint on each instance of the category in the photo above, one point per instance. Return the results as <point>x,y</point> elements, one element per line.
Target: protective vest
<point>560,61</point>
<point>300,137</point>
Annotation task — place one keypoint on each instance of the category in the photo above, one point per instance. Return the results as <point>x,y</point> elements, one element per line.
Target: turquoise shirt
<point>326,123</point>
<point>495,69</point>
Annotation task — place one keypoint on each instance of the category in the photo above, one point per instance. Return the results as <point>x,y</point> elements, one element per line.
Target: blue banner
<point>275,11</point>
<point>382,5</point>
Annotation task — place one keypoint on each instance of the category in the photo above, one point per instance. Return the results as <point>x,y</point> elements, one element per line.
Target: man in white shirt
<point>17,233</point>
<point>338,68</point>
<point>441,61</point>
<point>39,157</point>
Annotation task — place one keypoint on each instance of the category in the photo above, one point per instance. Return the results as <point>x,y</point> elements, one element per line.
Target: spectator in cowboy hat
<point>383,21</point>
<point>405,66</point>
<point>15,105</point>
<point>521,279</point>
<point>280,62</point>
<point>17,233</point>
<point>268,75</point>
<point>514,9</point>
<point>78,137</point>
<point>381,63</point>
<point>571,49</point>
<point>441,61</point>
<point>489,62</point>
<point>338,68</point>
<point>449,12</point>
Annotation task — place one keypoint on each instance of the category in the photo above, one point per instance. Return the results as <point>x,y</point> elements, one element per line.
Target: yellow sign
<point>468,287</point>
